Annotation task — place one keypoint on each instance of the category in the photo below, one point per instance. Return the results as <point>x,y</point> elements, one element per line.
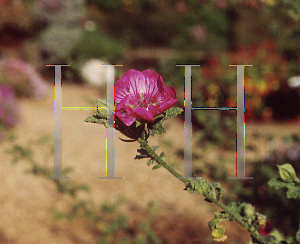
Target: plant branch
<point>153,154</point>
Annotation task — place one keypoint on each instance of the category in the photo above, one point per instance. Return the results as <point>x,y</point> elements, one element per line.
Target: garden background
<point>147,206</point>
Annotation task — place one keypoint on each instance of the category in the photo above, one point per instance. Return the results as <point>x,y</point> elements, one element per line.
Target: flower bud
<point>249,210</point>
<point>287,173</point>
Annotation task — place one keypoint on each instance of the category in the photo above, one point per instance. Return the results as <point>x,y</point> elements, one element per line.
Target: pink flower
<point>142,96</point>
<point>265,229</point>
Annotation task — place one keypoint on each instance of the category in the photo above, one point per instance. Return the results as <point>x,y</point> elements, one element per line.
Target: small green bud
<point>137,123</point>
<point>278,235</point>
<point>249,210</point>
<point>287,173</point>
<point>262,219</point>
<point>218,234</point>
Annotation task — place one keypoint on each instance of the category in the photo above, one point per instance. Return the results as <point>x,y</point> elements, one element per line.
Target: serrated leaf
<point>101,115</point>
<point>151,161</point>
<point>157,129</point>
<point>293,192</point>
<point>97,120</point>
<point>216,190</point>
<point>171,113</point>
<point>156,167</point>
<point>277,183</point>
<point>156,126</point>
<point>102,107</point>
<point>101,103</point>
<point>158,116</point>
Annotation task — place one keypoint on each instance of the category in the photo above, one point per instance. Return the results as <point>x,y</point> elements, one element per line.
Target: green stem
<point>153,154</point>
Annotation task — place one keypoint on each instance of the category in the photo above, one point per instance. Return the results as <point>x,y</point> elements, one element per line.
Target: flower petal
<point>144,114</point>
<point>154,85</point>
<point>168,101</point>
<point>124,112</point>
<point>129,84</point>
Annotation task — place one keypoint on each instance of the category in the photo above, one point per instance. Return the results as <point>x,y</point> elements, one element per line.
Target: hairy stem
<point>153,154</point>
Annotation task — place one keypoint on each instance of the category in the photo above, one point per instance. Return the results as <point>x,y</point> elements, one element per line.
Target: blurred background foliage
<point>159,34</point>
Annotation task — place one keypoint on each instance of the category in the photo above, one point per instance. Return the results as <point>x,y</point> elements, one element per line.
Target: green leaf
<point>287,173</point>
<point>277,183</point>
<point>248,210</point>
<point>156,167</point>
<point>289,240</point>
<point>154,148</point>
<point>215,190</point>
<point>293,189</point>
<point>298,235</point>
<point>163,157</point>
<point>138,123</point>
<point>155,127</point>
<point>101,115</point>
<point>151,161</point>
<point>96,119</point>
<point>278,235</point>
<point>102,108</point>
<point>171,113</point>
<point>101,103</point>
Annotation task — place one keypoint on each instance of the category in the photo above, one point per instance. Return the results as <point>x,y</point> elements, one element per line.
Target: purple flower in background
<point>198,33</point>
<point>142,96</point>
<point>6,93</point>
<point>21,75</point>
<point>293,154</point>
<point>8,106</point>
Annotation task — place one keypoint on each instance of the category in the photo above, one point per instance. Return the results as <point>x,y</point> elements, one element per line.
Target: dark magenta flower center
<point>144,102</point>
